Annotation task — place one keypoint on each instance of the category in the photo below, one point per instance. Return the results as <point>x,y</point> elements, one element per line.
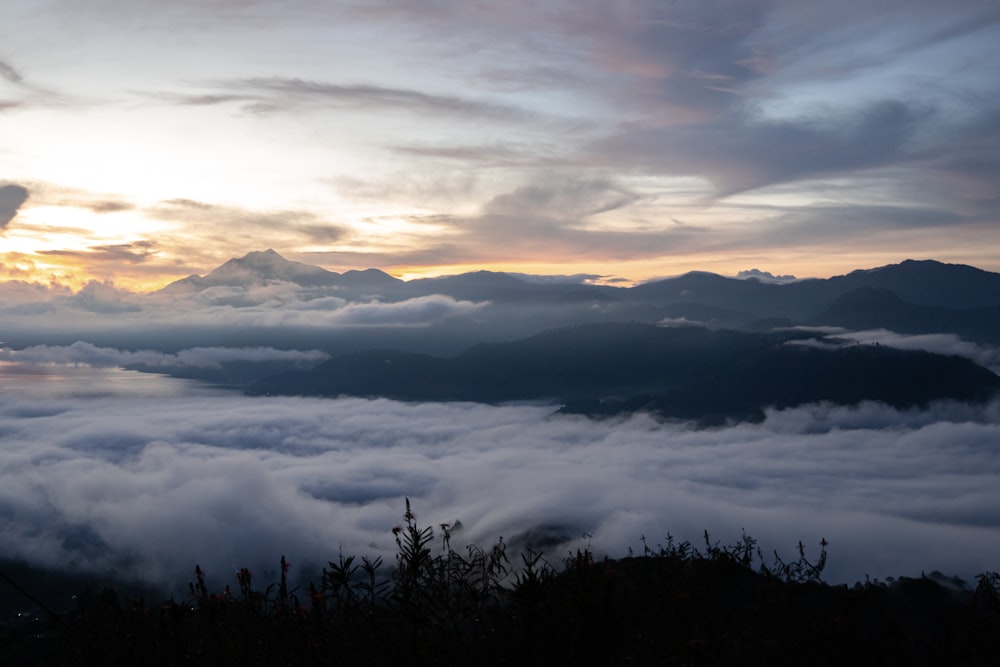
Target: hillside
<point>685,372</point>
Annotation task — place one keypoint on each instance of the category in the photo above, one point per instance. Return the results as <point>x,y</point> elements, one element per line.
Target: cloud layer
<point>270,314</point>
<point>150,486</point>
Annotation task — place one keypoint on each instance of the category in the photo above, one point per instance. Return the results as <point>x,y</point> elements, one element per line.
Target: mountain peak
<point>928,282</point>
<point>267,266</point>
<point>256,268</point>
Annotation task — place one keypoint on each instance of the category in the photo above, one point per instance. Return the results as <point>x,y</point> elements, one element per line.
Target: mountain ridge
<point>927,297</point>
<point>919,282</point>
<point>691,373</point>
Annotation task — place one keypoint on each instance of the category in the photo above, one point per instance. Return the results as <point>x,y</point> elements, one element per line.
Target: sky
<point>141,142</point>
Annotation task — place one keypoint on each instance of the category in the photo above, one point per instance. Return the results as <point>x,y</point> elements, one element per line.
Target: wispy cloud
<point>739,152</point>
<point>131,253</point>
<point>274,94</point>
<point>562,198</point>
<point>939,343</point>
<point>199,213</point>
<point>9,74</point>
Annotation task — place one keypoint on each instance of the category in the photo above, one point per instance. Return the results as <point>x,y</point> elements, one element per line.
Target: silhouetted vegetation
<point>670,604</point>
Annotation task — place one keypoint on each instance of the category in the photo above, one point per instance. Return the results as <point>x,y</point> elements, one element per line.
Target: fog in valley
<point>147,487</point>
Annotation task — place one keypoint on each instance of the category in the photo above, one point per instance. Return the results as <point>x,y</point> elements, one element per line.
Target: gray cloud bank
<point>151,486</point>
<point>938,343</point>
<point>101,313</point>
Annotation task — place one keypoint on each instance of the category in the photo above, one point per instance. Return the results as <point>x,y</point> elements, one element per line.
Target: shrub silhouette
<point>673,603</point>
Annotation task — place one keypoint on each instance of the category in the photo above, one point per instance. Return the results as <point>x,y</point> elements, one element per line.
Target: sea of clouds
<point>148,486</point>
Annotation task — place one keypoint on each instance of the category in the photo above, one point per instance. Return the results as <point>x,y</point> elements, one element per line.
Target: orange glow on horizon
<point>72,269</point>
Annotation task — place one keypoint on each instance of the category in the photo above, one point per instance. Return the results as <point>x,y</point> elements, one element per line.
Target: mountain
<point>919,283</point>
<point>256,268</point>
<point>876,308</point>
<point>261,268</point>
<point>913,297</point>
<point>929,283</point>
<point>691,373</point>
<point>507,288</point>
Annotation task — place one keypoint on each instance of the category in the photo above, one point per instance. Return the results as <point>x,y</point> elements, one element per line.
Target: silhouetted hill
<point>929,283</point>
<point>507,288</point>
<point>920,283</point>
<point>790,375</point>
<point>687,372</point>
<point>877,308</point>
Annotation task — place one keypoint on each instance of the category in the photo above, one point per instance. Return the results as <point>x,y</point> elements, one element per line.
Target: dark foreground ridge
<point>708,376</point>
<point>673,604</point>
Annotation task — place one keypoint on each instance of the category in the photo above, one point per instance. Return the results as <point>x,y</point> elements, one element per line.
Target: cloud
<point>17,266</point>
<point>765,276</point>
<point>274,94</point>
<point>277,313</point>
<point>555,215</point>
<point>494,155</point>
<point>302,226</point>
<point>101,205</point>
<point>419,311</point>
<point>683,62</point>
<point>135,259</point>
<point>575,279</point>
<point>12,196</point>
<point>129,253</point>
<point>740,151</point>
<point>562,198</point>
<point>9,74</point>
<point>52,194</point>
<point>200,99</point>
<point>152,485</point>
<point>971,166</point>
<point>948,344</point>
<point>283,305</point>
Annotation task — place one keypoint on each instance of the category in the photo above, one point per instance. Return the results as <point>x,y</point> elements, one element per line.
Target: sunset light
<point>581,284</point>
<point>640,143</point>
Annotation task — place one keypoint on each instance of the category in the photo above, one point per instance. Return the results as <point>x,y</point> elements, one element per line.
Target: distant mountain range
<point>699,347</point>
<point>911,297</point>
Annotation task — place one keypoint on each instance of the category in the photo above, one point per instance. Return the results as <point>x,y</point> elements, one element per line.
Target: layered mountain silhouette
<point>691,373</point>
<point>699,346</point>
<point>912,297</point>
<point>876,308</point>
